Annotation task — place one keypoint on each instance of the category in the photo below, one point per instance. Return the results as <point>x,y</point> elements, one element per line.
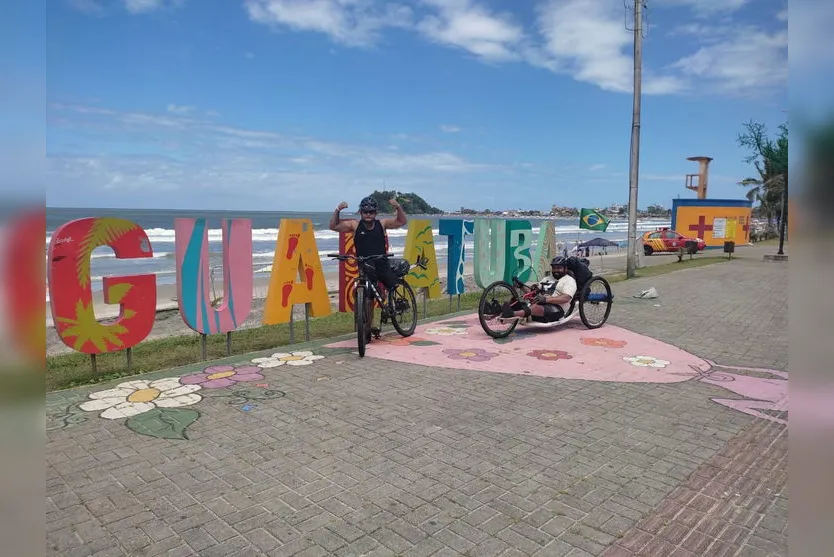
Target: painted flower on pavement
<point>550,354</point>
<point>471,354</point>
<point>301,358</point>
<point>136,397</point>
<point>604,342</point>
<point>646,361</point>
<point>446,331</point>
<point>217,377</point>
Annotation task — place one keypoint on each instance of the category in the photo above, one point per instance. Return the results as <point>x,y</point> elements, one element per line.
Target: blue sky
<point>297,105</point>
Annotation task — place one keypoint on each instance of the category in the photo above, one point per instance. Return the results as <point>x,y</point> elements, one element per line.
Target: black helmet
<point>559,260</point>
<point>368,204</point>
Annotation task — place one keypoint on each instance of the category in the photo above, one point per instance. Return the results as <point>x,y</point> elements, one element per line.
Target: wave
<point>271,234</point>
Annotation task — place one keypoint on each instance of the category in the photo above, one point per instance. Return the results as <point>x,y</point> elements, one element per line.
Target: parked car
<point>667,240</point>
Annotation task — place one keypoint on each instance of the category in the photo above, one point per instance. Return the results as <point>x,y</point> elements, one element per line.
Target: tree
<point>770,158</point>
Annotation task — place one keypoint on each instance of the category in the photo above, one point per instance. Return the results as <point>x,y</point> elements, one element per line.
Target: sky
<point>296,105</point>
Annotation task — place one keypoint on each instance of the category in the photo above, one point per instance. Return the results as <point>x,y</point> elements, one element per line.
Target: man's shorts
<point>383,273</point>
<point>552,312</point>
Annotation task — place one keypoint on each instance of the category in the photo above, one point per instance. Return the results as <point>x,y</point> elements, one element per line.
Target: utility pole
<point>634,164</point>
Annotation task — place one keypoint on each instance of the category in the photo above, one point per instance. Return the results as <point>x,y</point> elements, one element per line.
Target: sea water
<point>159,226</point>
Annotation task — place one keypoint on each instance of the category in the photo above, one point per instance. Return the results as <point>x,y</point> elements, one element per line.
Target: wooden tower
<point>703,173</point>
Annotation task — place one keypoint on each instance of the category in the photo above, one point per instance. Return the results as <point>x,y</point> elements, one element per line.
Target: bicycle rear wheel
<point>403,307</point>
<point>595,303</point>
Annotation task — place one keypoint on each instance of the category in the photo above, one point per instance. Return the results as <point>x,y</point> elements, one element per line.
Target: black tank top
<point>369,242</point>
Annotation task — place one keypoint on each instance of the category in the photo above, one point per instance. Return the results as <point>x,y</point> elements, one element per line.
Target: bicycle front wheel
<point>361,312</point>
<point>403,307</point>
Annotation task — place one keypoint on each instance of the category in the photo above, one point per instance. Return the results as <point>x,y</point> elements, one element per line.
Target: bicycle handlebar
<point>358,258</point>
<point>344,256</point>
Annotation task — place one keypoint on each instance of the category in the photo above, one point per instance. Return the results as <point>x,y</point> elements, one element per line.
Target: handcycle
<point>400,300</point>
<point>592,302</point>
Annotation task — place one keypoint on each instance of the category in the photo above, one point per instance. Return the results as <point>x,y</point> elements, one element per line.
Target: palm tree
<point>770,158</point>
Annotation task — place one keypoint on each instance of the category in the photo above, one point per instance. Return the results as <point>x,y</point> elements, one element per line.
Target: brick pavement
<point>375,458</point>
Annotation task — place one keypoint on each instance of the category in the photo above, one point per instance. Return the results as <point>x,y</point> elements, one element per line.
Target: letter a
<point>296,254</point>
<point>419,244</point>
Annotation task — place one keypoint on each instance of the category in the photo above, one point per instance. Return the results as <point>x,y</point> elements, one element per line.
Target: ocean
<point>159,226</point>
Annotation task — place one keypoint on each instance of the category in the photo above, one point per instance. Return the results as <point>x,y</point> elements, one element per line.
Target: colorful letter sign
<point>71,297</point>
<point>194,276</point>
<point>519,240</point>
<point>545,250</point>
<point>419,246</point>
<point>296,254</point>
<point>456,230</point>
<point>490,251</point>
<point>349,271</point>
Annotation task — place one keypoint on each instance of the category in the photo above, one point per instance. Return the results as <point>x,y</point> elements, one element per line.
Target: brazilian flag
<point>592,220</point>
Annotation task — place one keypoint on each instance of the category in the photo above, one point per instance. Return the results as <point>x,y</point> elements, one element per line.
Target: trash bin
<point>691,247</point>
<point>729,247</point>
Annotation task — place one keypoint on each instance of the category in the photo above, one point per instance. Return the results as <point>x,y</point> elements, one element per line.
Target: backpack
<point>580,270</point>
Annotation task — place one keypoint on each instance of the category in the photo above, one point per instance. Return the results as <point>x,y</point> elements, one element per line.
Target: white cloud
<point>141,6</point>
<point>596,167</point>
<point>739,60</point>
<point>349,22</point>
<point>588,40</point>
<point>449,128</point>
<point>704,8</point>
<point>177,109</point>
<point>248,166</point>
<point>464,24</point>
<point>132,6</point>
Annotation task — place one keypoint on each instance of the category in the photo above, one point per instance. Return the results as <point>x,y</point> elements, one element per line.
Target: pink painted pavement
<point>574,352</point>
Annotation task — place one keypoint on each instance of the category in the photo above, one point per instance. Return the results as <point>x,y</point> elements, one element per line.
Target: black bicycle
<point>400,301</point>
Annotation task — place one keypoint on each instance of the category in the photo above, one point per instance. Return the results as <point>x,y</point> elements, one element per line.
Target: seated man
<point>554,297</point>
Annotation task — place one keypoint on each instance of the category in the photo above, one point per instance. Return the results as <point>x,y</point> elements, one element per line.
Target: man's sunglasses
<point>371,212</point>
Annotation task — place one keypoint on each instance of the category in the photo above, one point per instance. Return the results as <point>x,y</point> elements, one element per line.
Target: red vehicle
<point>664,239</point>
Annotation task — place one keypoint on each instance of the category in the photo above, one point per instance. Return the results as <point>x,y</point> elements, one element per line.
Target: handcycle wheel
<point>595,303</point>
<point>489,309</point>
<point>401,300</point>
<point>361,312</point>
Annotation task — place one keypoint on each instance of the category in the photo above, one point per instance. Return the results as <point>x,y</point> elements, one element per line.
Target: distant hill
<point>412,203</point>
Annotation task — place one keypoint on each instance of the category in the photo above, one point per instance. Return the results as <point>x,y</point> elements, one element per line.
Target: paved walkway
<point>315,452</point>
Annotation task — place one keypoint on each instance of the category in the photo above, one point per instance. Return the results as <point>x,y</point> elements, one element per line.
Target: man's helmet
<point>368,204</point>
<point>559,260</point>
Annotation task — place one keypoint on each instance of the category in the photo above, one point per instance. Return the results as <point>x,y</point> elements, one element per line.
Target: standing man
<point>369,235</point>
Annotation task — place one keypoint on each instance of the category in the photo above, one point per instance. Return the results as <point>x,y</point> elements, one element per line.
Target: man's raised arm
<point>397,221</point>
<point>338,225</point>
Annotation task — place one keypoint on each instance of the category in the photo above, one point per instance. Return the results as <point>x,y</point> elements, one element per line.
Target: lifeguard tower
<point>702,175</point>
<point>716,221</point>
